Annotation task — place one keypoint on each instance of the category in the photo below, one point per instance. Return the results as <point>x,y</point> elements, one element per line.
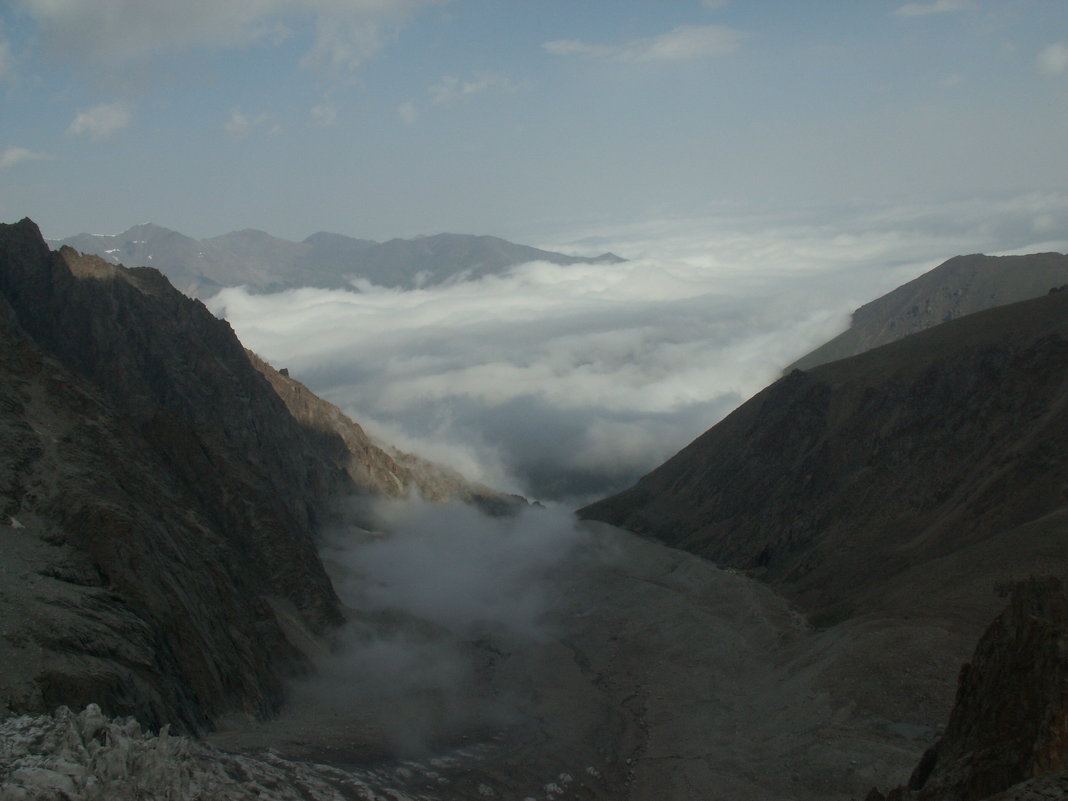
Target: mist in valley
<point>567,383</point>
<point>562,384</point>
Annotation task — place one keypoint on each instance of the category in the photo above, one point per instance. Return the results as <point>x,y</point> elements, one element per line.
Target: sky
<point>764,166</point>
<point>382,118</point>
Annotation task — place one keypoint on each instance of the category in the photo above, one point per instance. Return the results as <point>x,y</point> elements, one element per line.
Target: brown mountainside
<point>910,477</point>
<point>159,503</point>
<point>963,285</point>
<point>376,469</point>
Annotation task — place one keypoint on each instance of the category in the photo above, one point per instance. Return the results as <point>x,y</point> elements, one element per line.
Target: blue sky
<point>381,118</point>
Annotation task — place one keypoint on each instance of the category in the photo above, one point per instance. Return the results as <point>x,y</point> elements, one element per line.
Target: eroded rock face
<point>158,503</point>
<point>1010,720</point>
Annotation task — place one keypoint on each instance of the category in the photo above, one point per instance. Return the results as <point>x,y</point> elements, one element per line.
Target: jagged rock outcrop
<point>963,285</point>
<point>863,483</point>
<point>158,503</point>
<point>1009,724</point>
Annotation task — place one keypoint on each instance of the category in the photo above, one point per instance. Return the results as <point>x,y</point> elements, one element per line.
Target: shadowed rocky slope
<point>159,503</point>
<point>889,495</point>
<point>1009,724</point>
<point>862,484</point>
<point>963,285</point>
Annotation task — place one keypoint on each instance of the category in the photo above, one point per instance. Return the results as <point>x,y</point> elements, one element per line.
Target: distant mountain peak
<point>265,263</point>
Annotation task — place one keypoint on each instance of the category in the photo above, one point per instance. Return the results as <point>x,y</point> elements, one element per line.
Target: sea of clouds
<point>566,383</point>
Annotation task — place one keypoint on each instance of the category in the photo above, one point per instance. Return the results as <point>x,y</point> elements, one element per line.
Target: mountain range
<point>264,263</point>
<point>780,611</point>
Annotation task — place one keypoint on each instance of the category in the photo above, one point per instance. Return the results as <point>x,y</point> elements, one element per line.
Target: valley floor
<point>659,677</point>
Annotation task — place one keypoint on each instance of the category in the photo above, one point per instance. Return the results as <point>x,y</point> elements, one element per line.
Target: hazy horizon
<point>523,120</point>
<point>766,167</point>
<point>565,383</point>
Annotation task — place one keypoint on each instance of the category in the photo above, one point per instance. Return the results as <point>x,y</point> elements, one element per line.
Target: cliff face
<point>833,484</point>
<point>963,285</point>
<point>1009,723</point>
<point>158,503</point>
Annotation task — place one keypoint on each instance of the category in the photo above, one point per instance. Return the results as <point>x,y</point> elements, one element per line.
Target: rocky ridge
<point>159,504</point>
<point>962,285</point>
<point>846,485</point>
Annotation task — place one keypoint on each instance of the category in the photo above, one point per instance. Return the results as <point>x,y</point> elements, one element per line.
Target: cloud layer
<point>346,32</point>
<point>683,43</point>
<point>934,7</point>
<point>101,122</point>
<point>569,382</point>
<point>431,592</point>
<point>11,156</point>
<point>1053,60</point>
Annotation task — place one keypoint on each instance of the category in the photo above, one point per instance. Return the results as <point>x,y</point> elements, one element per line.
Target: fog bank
<point>568,382</point>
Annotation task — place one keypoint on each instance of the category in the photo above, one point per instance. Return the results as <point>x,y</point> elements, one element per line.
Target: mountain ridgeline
<point>846,484</point>
<point>264,263</point>
<point>159,501</point>
<point>963,285</point>
<point>916,481</point>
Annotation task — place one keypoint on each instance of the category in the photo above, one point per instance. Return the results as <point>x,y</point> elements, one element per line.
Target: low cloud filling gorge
<point>435,593</point>
<point>567,383</point>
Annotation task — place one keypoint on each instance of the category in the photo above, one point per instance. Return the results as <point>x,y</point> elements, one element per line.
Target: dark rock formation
<point>963,285</point>
<point>158,503</point>
<point>1009,724</point>
<point>865,482</point>
<point>160,496</point>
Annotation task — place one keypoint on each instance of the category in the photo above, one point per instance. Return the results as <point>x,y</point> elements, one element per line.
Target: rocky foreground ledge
<point>86,756</point>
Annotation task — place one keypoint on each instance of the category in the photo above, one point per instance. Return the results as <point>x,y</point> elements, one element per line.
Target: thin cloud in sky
<point>936,7</point>
<point>101,122</point>
<point>241,126</point>
<point>451,89</point>
<point>5,60</point>
<point>685,42</point>
<point>347,32</point>
<point>324,114</point>
<point>17,155</point>
<point>408,112</point>
<point>1053,60</point>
